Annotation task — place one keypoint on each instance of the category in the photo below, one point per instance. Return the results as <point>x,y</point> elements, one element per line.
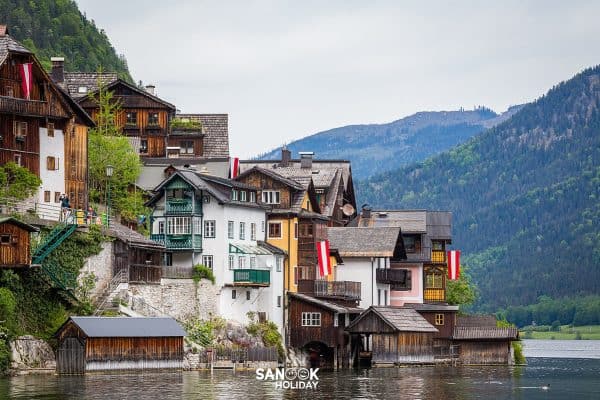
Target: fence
<point>241,355</point>
<point>53,212</point>
<point>177,272</point>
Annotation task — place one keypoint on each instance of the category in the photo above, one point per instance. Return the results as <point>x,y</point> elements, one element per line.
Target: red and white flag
<point>26,79</point>
<point>234,167</point>
<point>453,264</point>
<point>324,260</point>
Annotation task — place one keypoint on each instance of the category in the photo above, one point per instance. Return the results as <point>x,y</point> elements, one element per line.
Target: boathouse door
<point>71,357</point>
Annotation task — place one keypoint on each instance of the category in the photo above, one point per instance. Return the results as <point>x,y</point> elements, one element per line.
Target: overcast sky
<point>284,70</point>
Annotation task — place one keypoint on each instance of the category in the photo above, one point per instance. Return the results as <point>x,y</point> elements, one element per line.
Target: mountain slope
<point>525,197</point>
<point>381,147</point>
<point>57,28</point>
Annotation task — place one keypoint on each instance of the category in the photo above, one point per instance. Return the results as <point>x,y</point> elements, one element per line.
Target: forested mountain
<point>57,28</point>
<point>376,148</point>
<point>525,197</point>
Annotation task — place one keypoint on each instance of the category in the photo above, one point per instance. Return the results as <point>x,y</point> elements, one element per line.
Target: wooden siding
<point>264,182</point>
<point>15,253</point>
<point>446,330</point>
<point>28,149</point>
<point>76,156</point>
<point>136,348</point>
<point>403,347</point>
<point>307,245</point>
<point>484,353</point>
<point>300,335</point>
<point>175,141</point>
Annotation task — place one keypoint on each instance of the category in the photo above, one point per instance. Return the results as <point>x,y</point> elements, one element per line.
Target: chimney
<point>150,89</point>
<point>286,157</point>
<point>366,211</point>
<point>306,158</point>
<point>58,69</point>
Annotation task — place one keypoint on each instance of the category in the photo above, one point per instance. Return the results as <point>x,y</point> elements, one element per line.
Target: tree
<point>461,291</point>
<point>17,183</point>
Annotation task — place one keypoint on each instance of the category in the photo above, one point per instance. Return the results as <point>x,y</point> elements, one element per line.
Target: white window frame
<point>179,226</point>
<point>271,197</point>
<point>234,195</point>
<point>231,229</point>
<point>161,227</point>
<point>231,261</point>
<point>197,225</point>
<point>208,261</point>
<point>311,319</point>
<point>252,197</point>
<point>242,231</point>
<point>243,195</point>
<point>242,262</point>
<point>252,262</point>
<point>210,228</point>
<point>252,231</point>
<point>278,263</point>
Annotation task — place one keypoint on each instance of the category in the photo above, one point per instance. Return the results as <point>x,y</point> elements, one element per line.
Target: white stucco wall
<point>53,181</point>
<point>101,265</point>
<point>362,269</point>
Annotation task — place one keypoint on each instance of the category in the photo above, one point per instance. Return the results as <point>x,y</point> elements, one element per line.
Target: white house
<point>52,170</point>
<point>217,222</point>
<point>368,254</point>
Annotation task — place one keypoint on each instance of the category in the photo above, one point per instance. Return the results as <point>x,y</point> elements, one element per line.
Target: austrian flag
<point>26,79</point>
<point>234,167</point>
<point>453,264</point>
<point>324,260</point>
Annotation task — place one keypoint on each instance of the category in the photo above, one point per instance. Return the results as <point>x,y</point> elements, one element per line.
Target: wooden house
<point>316,326</point>
<point>42,130</point>
<point>480,342</point>
<point>105,344</point>
<point>15,243</point>
<point>393,335</point>
<point>444,318</point>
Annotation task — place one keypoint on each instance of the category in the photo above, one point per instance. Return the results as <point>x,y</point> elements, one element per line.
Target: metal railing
<point>392,276</point>
<point>346,290</point>
<point>120,277</point>
<point>252,276</point>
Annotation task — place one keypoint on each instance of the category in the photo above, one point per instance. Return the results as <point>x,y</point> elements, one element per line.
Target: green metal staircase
<point>58,277</point>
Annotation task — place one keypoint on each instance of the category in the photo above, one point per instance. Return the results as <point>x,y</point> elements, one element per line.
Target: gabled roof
<point>8,44</point>
<point>365,242</point>
<point>131,237</point>
<point>22,225</point>
<point>128,327</point>
<point>436,224</point>
<point>325,304</point>
<point>397,318</point>
<point>74,80</point>
<point>273,175</point>
<point>131,87</point>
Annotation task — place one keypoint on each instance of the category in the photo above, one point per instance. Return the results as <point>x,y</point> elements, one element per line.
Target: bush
<point>203,332</point>
<point>4,355</point>
<point>518,350</point>
<point>268,333</point>
<point>202,272</point>
<point>555,326</point>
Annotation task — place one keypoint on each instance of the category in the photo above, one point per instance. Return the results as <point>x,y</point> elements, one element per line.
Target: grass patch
<point>564,332</point>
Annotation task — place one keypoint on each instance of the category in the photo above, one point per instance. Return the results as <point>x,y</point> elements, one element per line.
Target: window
<point>82,89</point>
<point>20,131</point>
<point>161,227</point>
<point>51,164</point>
<point>50,129</point>
<point>241,262</point>
<point>209,229</point>
<point>197,221</point>
<point>206,199</point>
<point>231,262</point>
<point>252,197</point>
<point>234,195</point>
<point>207,261</point>
<point>169,259</point>
<point>295,230</point>
<point>8,91</point>
<point>295,275</point>
<point>179,226</point>
<point>262,226</point>
<point>385,297</point>
<point>230,229</point>
<point>278,301</point>
<point>439,319</point>
<point>402,280</point>
<point>131,118</point>
<point>306,230</point>
<point>18,159</point>
<point>412,243</point>
<point>247,295</point>
<point>47,196</point>
<point>274,230</point>
<point>153,118</point>
<point>278,263</point>
<point>233,294</point>
<point>242,231</point>
<point>336,320</point>
<point>252,231</point>
<point>270,196</point>
<point>144,146</point>
<point>5,239</point>
<point>378,297</point>
<point>243,195</point>
<point>57,197</point>
<point>434,280</point>
<point>186,147</point>
<point>252,262</point>
<point>311,319</point>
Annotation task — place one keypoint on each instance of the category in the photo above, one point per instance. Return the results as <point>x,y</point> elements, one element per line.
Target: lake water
<point>572,371</point>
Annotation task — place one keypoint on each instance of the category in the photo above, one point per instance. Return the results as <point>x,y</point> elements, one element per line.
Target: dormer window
<point>252,197</point>
<point>82,89</point>
<point>234,195</point>
<point>243,195</point>
<point>270,196</point>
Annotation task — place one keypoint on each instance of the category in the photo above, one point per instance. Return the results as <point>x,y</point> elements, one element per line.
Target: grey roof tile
<point>484,333</point>
<point>364,242</point>
<point>129,327</point>
<point>398,318</point>
<point>215,127</point>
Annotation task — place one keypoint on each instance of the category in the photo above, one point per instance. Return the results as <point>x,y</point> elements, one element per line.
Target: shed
<point>395,335</point>
<point>484,345</point>
<point>15,243</point>
<point>120,343</point>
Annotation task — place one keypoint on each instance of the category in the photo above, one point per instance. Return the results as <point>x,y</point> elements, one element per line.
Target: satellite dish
<point>348,210</point>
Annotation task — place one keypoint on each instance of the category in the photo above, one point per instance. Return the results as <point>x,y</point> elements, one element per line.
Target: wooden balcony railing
<point>34,108</point>
<point>332,289</point>
<point>252,277</point>
<point>392,276</point>
<point>179,206</point>
<point>438,256</point>
<point>434,295</point>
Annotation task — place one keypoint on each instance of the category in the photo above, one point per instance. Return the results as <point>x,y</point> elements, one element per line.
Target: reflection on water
<point>568,378</point>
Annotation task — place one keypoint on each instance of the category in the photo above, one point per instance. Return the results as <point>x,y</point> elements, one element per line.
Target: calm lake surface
<point>571,368</point>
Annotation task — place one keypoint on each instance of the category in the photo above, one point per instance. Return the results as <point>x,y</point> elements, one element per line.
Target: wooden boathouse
<point>105,344</point>
<point>15,243</point>
<point>481,342</point>
<point>392,335</point>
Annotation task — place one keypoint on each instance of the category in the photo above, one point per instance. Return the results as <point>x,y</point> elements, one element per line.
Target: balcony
<point>438,256</point>
<point>392,276</point>
<point>178,242</point>
<point>179,206</point>
<point>251,277</point>
<point>343,290</point>
<point>34,108</point>
<point>434,295</point>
